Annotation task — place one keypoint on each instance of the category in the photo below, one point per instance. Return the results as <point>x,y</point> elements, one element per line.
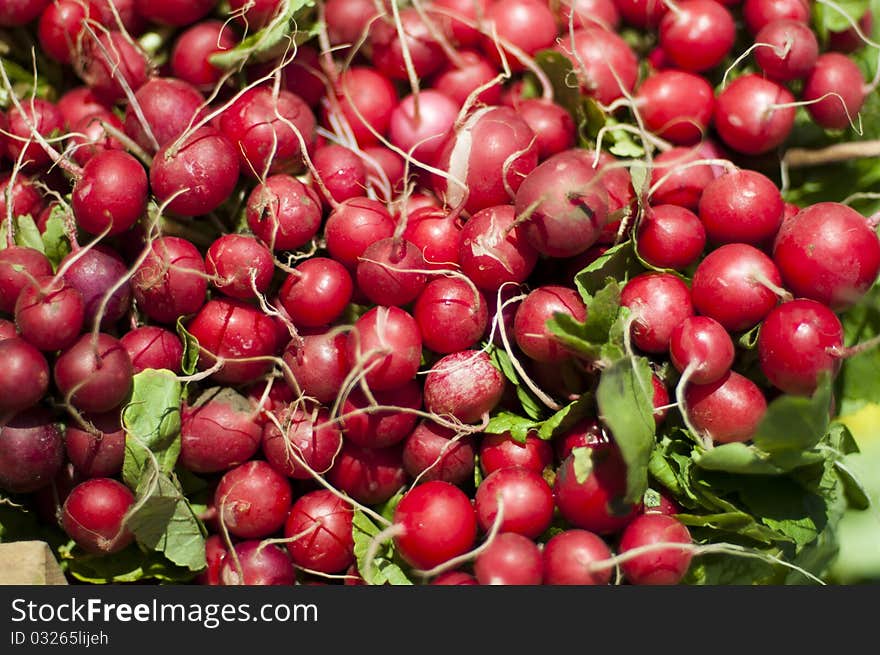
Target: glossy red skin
<point>699,36</point>
<point>111,193</point>
<point>253,500</point>
<point>257,13</point>
<point>215,553</point>
<point>526,497</point>
<point>26,198</point>
<point>676,105</point>
<point>78,103</point>
<point>487,240</point>
<point>758,13</point>
<point>314,439</point>
<point>391,272</point>
<point>502,148</point>
<point>596,504</point>
<point>437,522</point>
<point>200,189</point>
<point>660,399</point>
<point>369,475</point>
<point>451,315</point>
<point>93,515</point>
<point>586,433</point>
<point>502,450</point>
<point>724,286</point>
<point>664,566</point>
<point>389,342</point>
<point>727,410</point>
<point>677,181</point>
<point>797,343</point>
<point>435,234</point>
<point>299,76</point>
<point>93,273</point>
<point>175,12</point>
<point>283,212</point>
<point>430,452</point>
<point>107,60</point>
<point>386,49</point>
<point>530,324</point>
<point>835,73</point>
<point>97,455</point>
<point>31,451</point>
<point>384,428</point>
<point>44,117</point>
<point>704,342</point>
<point>510,559</point>
<point>18,264</point>
<point>231,329</point>
<point>169,107</point>
<point>251,122</point>
<point>670,236</point>
<point>660,302</point>
<point>599,57</point>
<point>218,434</point>
<point>59,27</point>
<point>423,137</point>
<point>261,565</point>
<point>587,12</point>
<point>342,171</point>
<point>455,578</point>
<point>553,126</point>
<point>849,40</point>
<point>96,378</point>
<point>7,329</point>
<point>796,40</point>
<point>741,206</point>
<point>458,82</point>
<point>50,313</point>
<point>461,33</point>
<point>150,346</point>
<point>366,99</point>
<point>190,56</point>
<point>171,280</point>
<point>25,375</point>
<point>319,365</point>
<point>465,385</point>
<point>568,555</point>
<point>528,25</point>
<point>827,252</point>
<point>353,226</point>
<point>746,116</point>
<point>379,161</point>
<point>566,205</point>
<point>127,12</point>
<point>641,13</point>
<point>330,547</point>
<point>90,137</point>
<point>14,13</point>
<point>232,259</point>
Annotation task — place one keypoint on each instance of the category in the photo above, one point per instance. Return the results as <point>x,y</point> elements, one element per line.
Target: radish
<point>701,344</point>
<point>568,557</point>
<point>369,475</point>
<point>255,14</point>
<point>190,57</point>
<point>464,385</point>
<point>217,432</point>
<point>794,50</point>
<point>758,13</point>
<point>319,364</point>
<point>586,12</point>
<point>391,271</point>
<point>660,566</point>
<point>836,91</point>
<point>170,282</point>
<point>677,178</point>
<point>316,292</point>
<point>319,532</point>
<point>446,15</point>
<point>606,66</point>
<point>26,375</point>
<point>387,343</point>
<point>698,36</point>
<point>168,106</point>
<point>435,234</point>
<point>215,554</point>
<point>455,578</point>
<point>25,197</point>
<point>525,496</point>
<point>741,207</point>
<point>49,313</point>
<point>677,105</point>
<point>530,324</point>
<point>7,329</point>
<point>451,315</point>
<point>90,136</point>
<point>366,99</point>
<point>434,452</point>
<point>342,172</point>
<point>32,451</point>
<point>111,195</point>
<point>641,13</point>
<point>18,266</point>
<point>527,25</point>
<point>353,226</point>
<point>586,433</point>
<point>253,500</point>
<point>284,213</point>
<point>472,71</point>
<point>256,563</point>
<point>553,126</point>
<point>14,13</point>
<point>511,559</point>
<point>423,133</point>
<point>492,249</point>
<point>658,302</point>
<point>94,516</point>
<point>60,26</point>
<point>36,115</point>
<point>109,62</point>
<point>240,266</point>
<point>727,410</point>
<point>153,347</point>
<point>426,55</point>
<point>174,12</point>
<point>379,429</point>
<point>499,451</point>
<point>94,374</point>
<point>99,453</point>
<point>306,440</point>
<point>754,115</point>
<point>94,273</point>
<point>346,19</point>
<point>670,236</point>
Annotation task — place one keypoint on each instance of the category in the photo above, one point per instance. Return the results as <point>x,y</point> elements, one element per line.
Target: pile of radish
<point>434,291</point>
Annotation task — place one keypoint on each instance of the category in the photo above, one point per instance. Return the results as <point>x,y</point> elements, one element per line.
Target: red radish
<point>111,195</point>
<point>215,553</point>
<point>190,189</point>
<point>741,206</point>
<point>256,14</point>
<point>586,433</point>
<point>305,436</point>
<point>380,429</point>
<point>18,266</point>
<point>239,265</point>
<point>698,36</point>
<point>329,547</point>
<point>658,302</point>
<point>50,313</point>
<point>319,364</point>
<point>346,19</point>
<point>25,375</point>
<point>660,566</point>
<point>727,410</point>
<point>31,451</point>
<point>437,523</point>
<point>670,237</point>
<point>342,171</point>
<point>641,13</point>
<point>386,49</point>
<point>473,71</point>
<point>60,26</point>
<point>422,134</point>
<point>510,559</point>
<point>524,495</point>
<point>253,500</point>
<point>759,13</point>
<point>568,556</point>
<point>736,285</point>
<point>391,272</point>
<point>606,66</point>
<point>662,504</point>
<point>7,329</point>
<point>171,280</point>
<point>447,13</point>
<point>451,315</point>
<point>94,273</point>
<point>530,324</point>
<point>257,563</point>
<point>353,226</point>
<point>302,75</point>
<point>677,105</point>
<point>366,99</point>
<point>676,178</point>
<point>380,160</point>
<point>596,503</point>
<point>174,12</point>
<point>317,293</point>
<point>660,399</point>
<point>754,115</point>
<point>848,40</point>
<point>25,197</point>
<point>455,578</point>
<point>586,12</point>
<point>94,374</point>
<point>15,13</point>
<point>493,251</point>
<point>499,451</point>
<point>491,154</point>
<point>553,126</point>
<point>94,516</point>
<point>130,18</point>
<point>236,335</point>
<point>78,103</point>
<point>36,115</point>
<point>369,475</point>
<point>110,59</point>
<point>283,212</point>
<point>464,385</point>
<point>528,25</point>
<point>703,344</point>
<point>828,252</point>
<point>794,50</point>
<point>217,432</point>
<point>387,343</point>
<point>99,451</point>
<point>90,137</point>
<point>191,55</point>
<point>168,106</point>
<point>799,341</point>
<point>434,453</point>
<point>435,234</point>
<point>836,91</point>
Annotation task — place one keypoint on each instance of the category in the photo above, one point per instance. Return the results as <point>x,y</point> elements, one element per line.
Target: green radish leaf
<point>532,407</point>
<point>131,564</point>
<point>566,417</point>
<point>583,463</point>
<point>828,19</point>
<point>190,360</point>
<point>794,423</point>
<point>736,458</point>
<point>25,233</point>
<point>858,384</point>
<point>385,567</point>
<point>625,399</point>
<point>518,427</point>
<point>55,243</point>
<point>618,263</point>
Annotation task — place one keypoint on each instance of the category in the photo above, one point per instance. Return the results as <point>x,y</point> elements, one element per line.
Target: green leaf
<point>25,231</point>
<point>55,243</point>
<point>190,360</point>
<point>571,333</point>
<point>737,458</point>
<point>517,426</point>
<point>625,399</point>
<point>829,19</point>
<point>129,565</point>
<point>856,494</point>
<point>583,463</point>
<point>787,507</point>
<point>724,569</point>
<point>794,423</point>
<point>618,263</point>
<point>749,340</point>
<point>566,417</point>
<point>857,383</point>
<point>384,568</point>
<point>588,116</point>
<point>530,404</point>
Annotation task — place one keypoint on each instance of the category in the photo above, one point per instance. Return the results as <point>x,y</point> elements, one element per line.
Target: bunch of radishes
<point>347,233</point>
